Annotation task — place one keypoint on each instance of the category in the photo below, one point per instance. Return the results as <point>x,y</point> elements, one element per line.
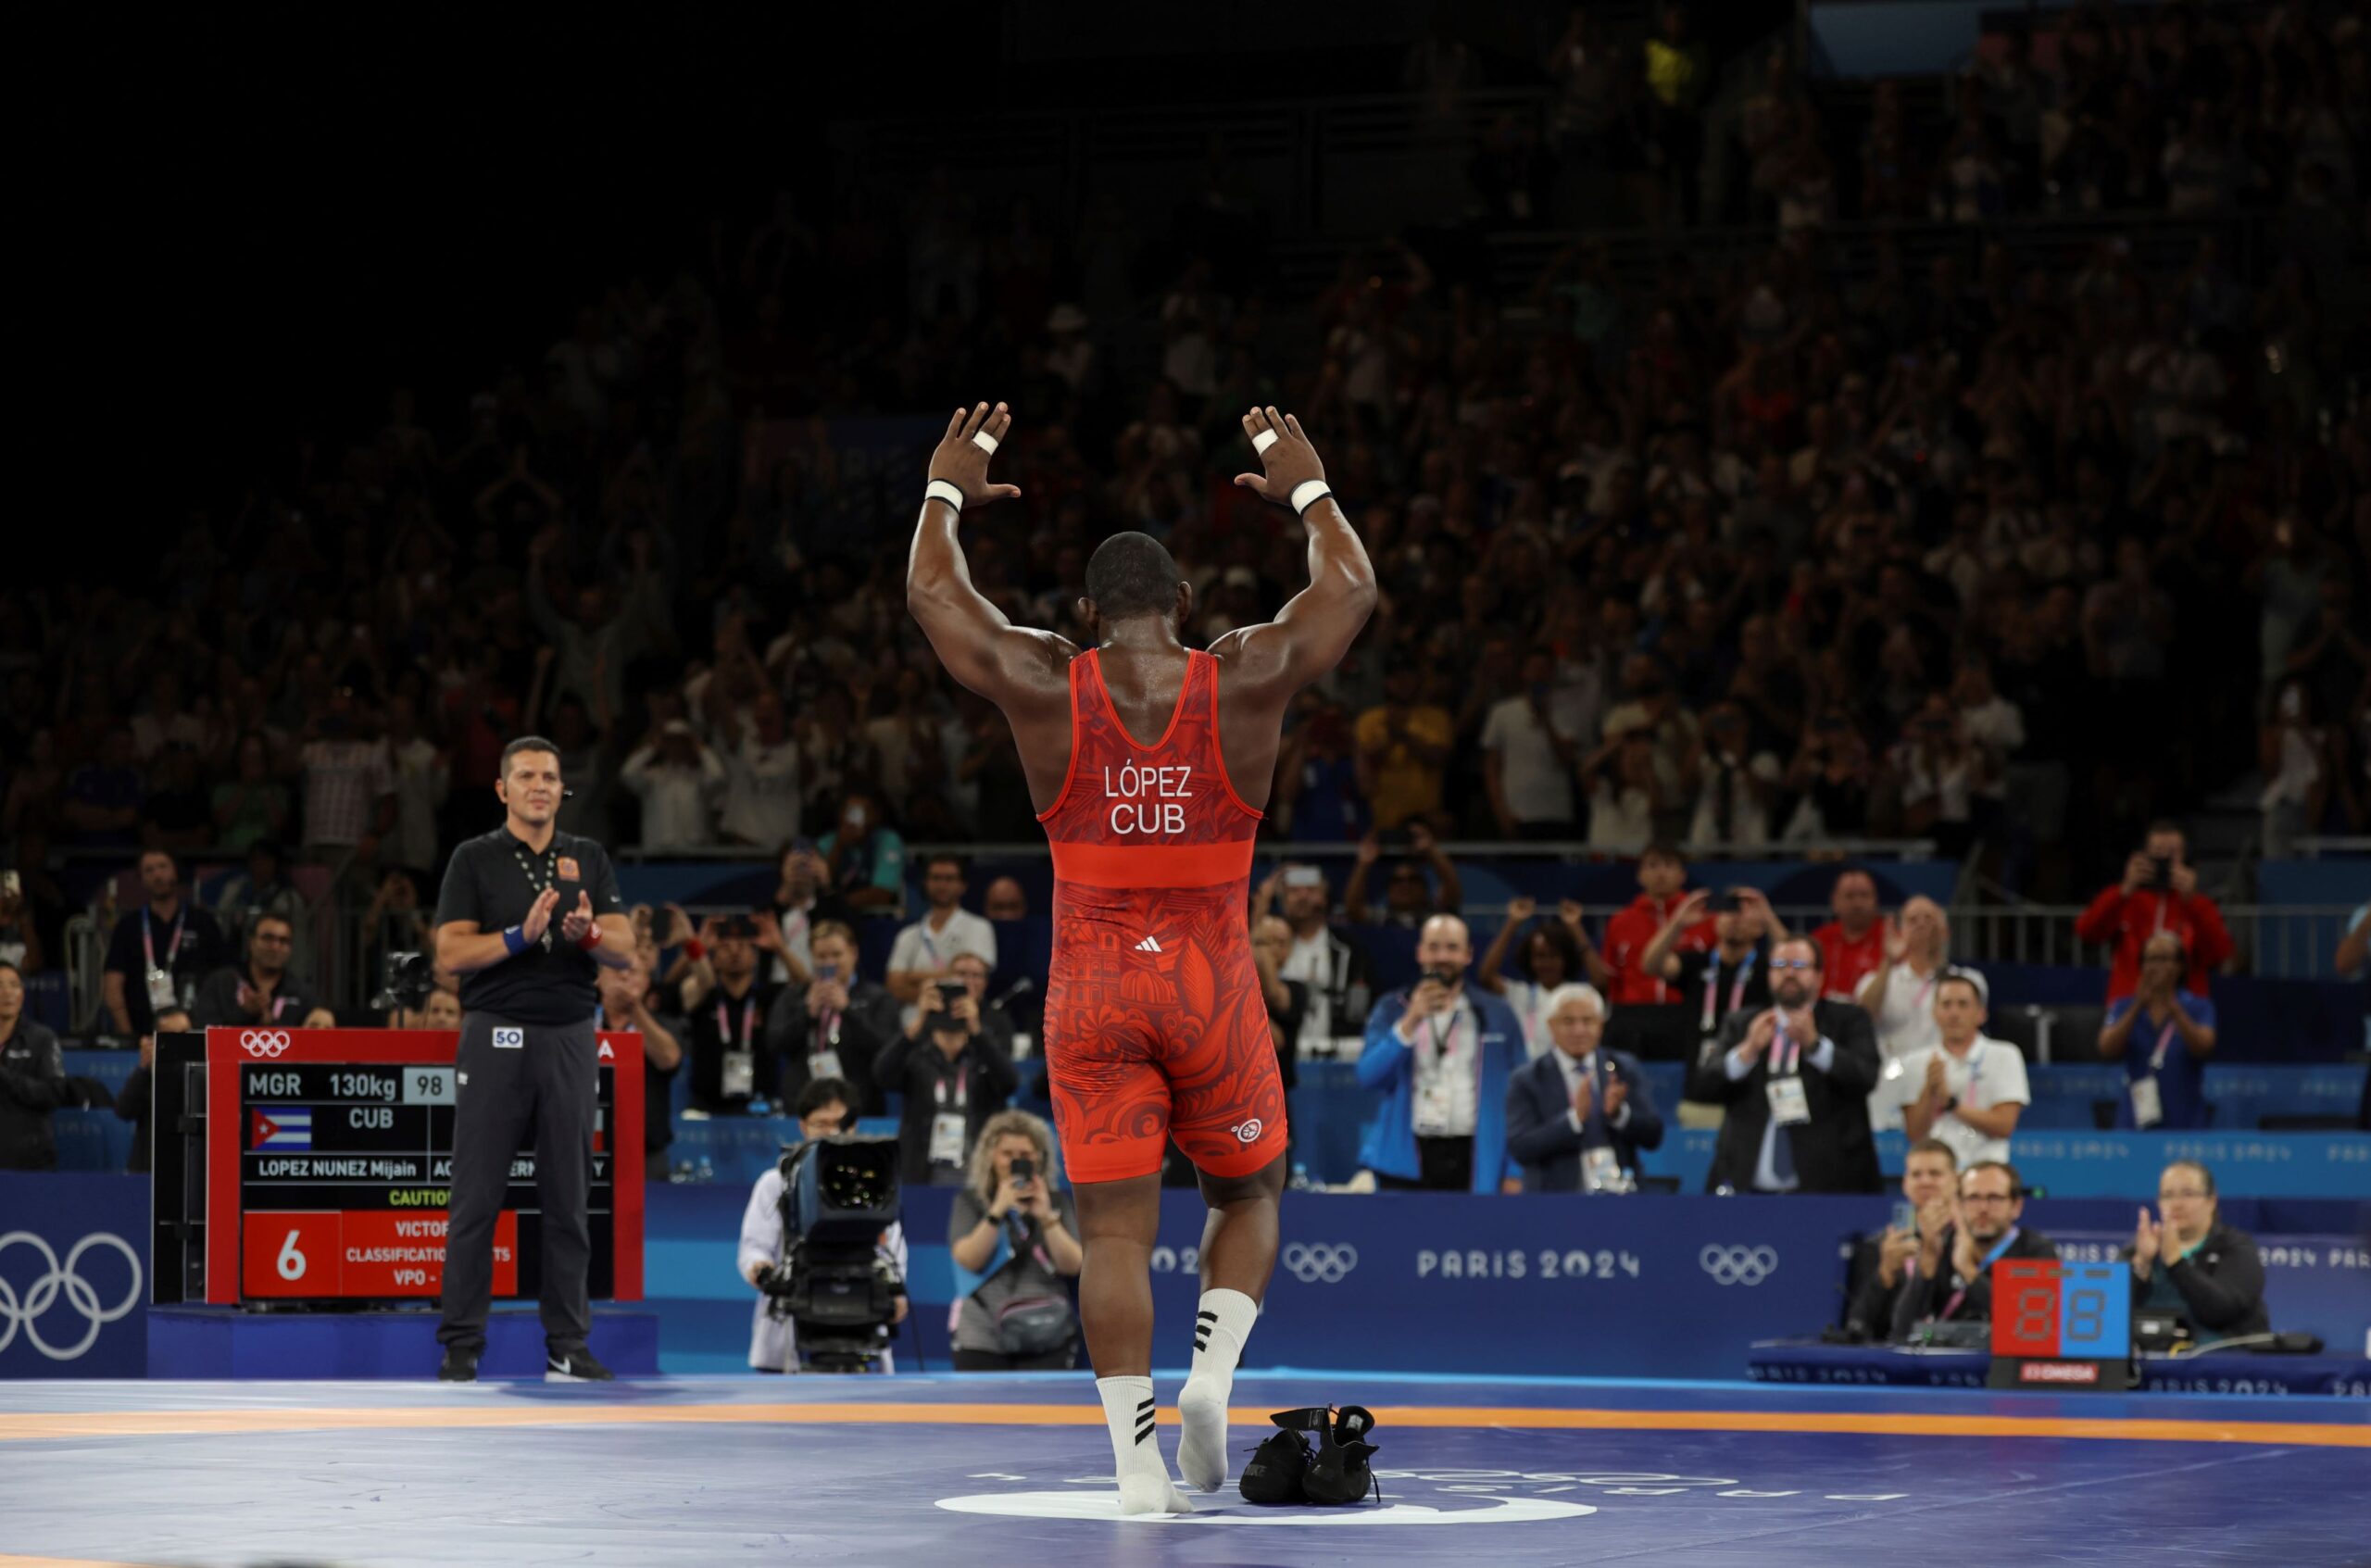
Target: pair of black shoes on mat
<point>1285,1469</point>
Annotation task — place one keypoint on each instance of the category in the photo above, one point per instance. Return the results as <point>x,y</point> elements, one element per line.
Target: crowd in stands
<point>1779,551</point>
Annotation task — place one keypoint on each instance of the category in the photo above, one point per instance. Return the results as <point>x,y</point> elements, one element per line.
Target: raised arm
<point>1317,625</point>
<point>974,642</point>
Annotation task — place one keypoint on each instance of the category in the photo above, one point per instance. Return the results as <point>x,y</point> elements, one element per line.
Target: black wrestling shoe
<point>575,1366</point>
<point>460,1367</point>
<point>1271,1476</point>
<point>1340,1472</point>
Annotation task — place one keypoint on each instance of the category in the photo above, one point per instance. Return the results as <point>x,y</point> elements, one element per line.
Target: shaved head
<point>1132,574</point>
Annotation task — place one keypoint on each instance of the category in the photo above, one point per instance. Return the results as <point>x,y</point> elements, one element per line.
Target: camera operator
<point>2158,892</point>
<point>954,1066</point>
<point>1013,1240</point>
<point>260,991</point>
<point>834,1024</point>
<point>823,1111</point>
<point>1332,963</point>
<point>724,1003</point>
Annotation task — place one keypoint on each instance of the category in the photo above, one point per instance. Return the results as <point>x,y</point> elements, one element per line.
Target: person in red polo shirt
<point>2158,892</point>
<point>1662,876</point>
<point>1853,944</point>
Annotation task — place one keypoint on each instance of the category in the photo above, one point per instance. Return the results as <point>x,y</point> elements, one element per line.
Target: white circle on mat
<point>1105,1505</point>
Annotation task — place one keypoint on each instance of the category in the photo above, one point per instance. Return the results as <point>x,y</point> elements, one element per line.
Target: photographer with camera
<point>261,990</point>
<point>955,1069</point>
<point>1331,962</point>
<point>2158,892</point>
<point>834,1024</point>
<point>825,1110</point>
<point>1013,1240</point>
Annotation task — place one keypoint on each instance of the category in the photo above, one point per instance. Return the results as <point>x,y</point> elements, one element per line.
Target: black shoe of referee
<point>575,1366</point>
<point>460,1365</point>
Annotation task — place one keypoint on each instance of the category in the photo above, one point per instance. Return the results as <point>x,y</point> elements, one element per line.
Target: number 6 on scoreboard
<point>292,1260</point>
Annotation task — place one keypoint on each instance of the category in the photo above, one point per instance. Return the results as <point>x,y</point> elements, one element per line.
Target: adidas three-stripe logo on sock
<point>1144,1421</point>
<point>1202,1329</point>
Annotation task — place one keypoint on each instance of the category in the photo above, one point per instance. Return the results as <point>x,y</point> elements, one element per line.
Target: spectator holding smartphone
<point>1013,1239</point>
<point>835,1024</point>
<point>1911,1246</point>
<point>2158,892</point>
<point>1408,900</point>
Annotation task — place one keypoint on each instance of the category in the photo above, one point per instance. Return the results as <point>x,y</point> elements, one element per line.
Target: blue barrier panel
<point>1653,1287</point>
<point>73,1276</point>
<point>95,1140</point>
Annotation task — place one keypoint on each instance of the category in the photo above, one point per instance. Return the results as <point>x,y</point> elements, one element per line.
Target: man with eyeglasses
<point>1954,1284</point>
<point>259,991</point>
<point>1795,1078</point>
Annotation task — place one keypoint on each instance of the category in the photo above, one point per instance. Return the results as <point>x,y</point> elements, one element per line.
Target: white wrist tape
<point>1262,441</point>
<point>984,441</point>
<point>1308,491</point>
<point>940,490</point>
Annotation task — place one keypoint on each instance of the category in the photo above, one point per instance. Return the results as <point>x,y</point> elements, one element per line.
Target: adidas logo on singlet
<point>1148,946</point>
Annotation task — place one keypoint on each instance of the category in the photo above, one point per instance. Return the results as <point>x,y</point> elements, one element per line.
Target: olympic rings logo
<point>263,1042</point>
<point>25,1311</point>
<point>1740,1265</point>
<point>1320,1263</point>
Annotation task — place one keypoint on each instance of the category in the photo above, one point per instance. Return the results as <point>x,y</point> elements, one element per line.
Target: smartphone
<point>1905,1215</point>
<point>11,885</point>
<point>1304,876</point>
<point>827,971</point>
<point>953,991</point>
<point>1392,838</point>
<point>1024,1170</point>
<point>2162,870</point>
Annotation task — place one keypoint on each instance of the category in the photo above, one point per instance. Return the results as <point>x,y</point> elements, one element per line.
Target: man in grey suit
<point>1795,1077</point>
<point>1578,1115</point>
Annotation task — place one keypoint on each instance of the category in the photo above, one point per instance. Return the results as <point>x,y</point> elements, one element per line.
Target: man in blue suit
<point>1577,1116</point>
<point>1442,1052</point>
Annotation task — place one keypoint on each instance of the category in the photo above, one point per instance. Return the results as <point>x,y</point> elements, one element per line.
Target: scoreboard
<point>2061,1325</point>
<point>329,1168</point>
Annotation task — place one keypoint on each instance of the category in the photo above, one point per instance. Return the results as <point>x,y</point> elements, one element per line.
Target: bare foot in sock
<point>1201,1453</point>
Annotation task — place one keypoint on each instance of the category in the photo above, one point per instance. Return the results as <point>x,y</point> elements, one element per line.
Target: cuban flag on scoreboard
<point>284,1126</point>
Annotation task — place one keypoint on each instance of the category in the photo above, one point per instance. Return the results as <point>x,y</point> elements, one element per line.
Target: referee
<point>526,915</point>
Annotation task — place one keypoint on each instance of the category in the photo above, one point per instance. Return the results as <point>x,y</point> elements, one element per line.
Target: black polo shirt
<point>493,880</point>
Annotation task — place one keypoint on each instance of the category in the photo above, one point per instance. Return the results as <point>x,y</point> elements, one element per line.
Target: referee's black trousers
<point>547,1081</point>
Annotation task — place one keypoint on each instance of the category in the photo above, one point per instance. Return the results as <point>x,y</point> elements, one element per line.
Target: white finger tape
<point>984,441</point>
<point>1261,442</point>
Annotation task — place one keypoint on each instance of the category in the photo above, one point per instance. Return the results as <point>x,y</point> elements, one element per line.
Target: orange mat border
<point>52,1427</point>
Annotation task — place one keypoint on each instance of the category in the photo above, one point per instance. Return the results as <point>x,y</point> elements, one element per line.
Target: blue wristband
<point>515,939</point>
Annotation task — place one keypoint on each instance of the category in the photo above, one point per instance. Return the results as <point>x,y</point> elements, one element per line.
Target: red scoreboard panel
<point>329,1166</point>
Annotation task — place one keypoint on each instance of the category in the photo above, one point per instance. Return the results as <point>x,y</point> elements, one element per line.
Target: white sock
<point>1220,1328</point>
<point>1128,1410</point>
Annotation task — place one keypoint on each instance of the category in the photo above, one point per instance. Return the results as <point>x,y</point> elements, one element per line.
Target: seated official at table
<point>2193,1266</point>
<point>1953,1282</point>
<point>1578,1115</point>
<point>1883,1263</point>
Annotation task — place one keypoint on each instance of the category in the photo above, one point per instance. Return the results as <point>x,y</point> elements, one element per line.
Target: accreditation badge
<point>2147,1104</point>
<point>568,869</point>
<point>1789,1107</point>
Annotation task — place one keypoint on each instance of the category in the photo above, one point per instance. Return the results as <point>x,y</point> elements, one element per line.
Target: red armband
<point>592,939</point>
<point>695,949</point>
